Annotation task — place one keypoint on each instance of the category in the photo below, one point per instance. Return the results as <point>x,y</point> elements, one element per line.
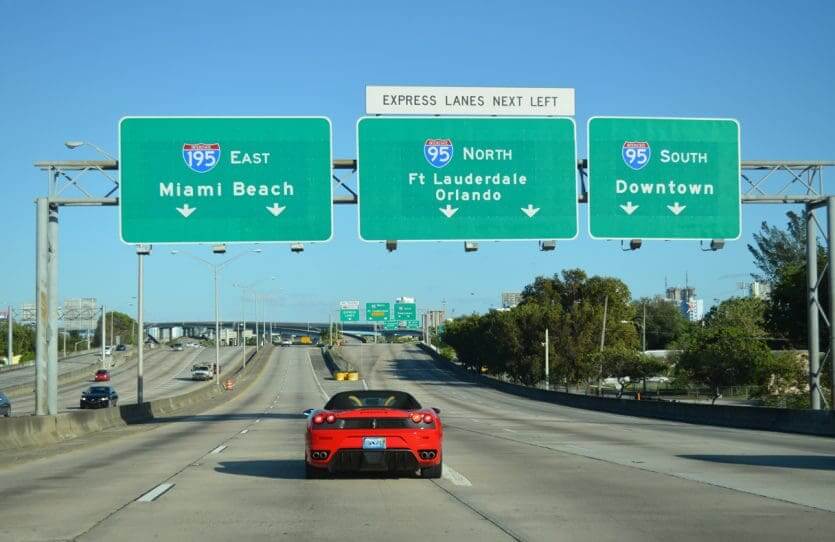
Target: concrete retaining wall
<point>809,422</point>
<point>25,431</point>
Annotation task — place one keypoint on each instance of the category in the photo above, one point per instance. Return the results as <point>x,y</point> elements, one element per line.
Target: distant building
<point>405,299</point>
<point>680,294</point>
<point>760,290</point>
<point>685,299</point>
<point>693,309</point>
<point>511,299</point>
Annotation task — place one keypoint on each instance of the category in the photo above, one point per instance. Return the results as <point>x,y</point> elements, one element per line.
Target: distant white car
<point>108,350</point>
<point>286,342</point>
<point>201,372</point>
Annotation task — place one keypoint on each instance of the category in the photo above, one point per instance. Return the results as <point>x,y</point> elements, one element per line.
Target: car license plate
<point>374,443</point>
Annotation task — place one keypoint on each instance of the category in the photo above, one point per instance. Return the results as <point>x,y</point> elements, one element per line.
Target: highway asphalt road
<point>166,373</point>
<point>514,470</point>
<point>26,375</point>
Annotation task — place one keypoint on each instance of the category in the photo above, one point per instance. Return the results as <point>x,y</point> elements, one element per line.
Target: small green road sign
<point>225,179</point>
<point>349,315</point>
<point>377,312</point>
<point>391,325</point>
<point>441,328</point>
<point>467,179</point>
<point>656,178</point>
<point>405,311</point>
<point>413,324</point>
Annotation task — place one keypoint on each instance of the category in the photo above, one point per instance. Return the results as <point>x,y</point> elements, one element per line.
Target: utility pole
<point>141,252</point>
<point>644,330</point>
<point>547,368</point>
<point>52,296</point>
<point>10,337</point>
<point>103,336</point>
<point>602,343</point>
<point>111,331</point>
<point>217,330</point>
<point>41,306</point>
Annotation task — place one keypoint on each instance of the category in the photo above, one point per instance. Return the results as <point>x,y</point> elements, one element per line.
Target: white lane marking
<point>455,477</point>
<point>476,421</point>
<point>218,449</point>
<point>316,378</point>
<point>509,430</point>
<point>155,493</point>
<point>258,420</point>
<point>245,431</point>
<point>364,384</point>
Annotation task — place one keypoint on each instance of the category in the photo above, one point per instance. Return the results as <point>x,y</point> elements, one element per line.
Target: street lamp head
<point>73,144</point>
<point>175,252</point>
<point>257,251</point>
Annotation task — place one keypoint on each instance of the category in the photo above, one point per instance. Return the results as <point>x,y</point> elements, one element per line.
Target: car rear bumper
<point>346,454</point>
<point>373,461</point>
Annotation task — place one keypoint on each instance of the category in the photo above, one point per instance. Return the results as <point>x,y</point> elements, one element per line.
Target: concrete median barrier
<point>29,431</point>
<point>808,422</point>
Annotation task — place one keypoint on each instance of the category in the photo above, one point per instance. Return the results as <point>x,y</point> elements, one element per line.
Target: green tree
<point>722,355</point>
<point>23,341</point>
<point>780,256</point>
<point>124,327</point>
<point>665,322</point>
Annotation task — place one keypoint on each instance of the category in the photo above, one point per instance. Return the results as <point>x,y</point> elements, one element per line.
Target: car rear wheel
<point>432,472</point>
<point>312,473</point>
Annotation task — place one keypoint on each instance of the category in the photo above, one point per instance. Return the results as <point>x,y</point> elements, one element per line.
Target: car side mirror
<point>308,412</point>
<point>437,410</point>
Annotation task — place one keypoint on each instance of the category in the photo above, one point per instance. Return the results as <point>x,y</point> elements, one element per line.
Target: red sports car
<point>373,431</point>
<point>102,375</point>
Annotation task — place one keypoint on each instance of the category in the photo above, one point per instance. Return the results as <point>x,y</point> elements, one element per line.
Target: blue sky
<point>72,70</point>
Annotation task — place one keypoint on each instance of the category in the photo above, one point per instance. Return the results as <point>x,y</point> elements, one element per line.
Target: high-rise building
<point>760,290</point>
<point>511,299</point>
<point>685,299</point>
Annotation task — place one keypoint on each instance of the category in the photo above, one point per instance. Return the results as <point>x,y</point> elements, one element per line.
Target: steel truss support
<point>761,182</point>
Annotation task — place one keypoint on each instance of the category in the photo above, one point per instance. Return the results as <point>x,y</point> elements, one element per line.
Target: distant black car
<point>5,405</point>
<point>99,397</point>
<point>121,348</point>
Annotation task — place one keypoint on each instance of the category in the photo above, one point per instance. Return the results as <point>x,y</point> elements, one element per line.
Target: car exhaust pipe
<point>427,454</point>
<point>319,455</point>
<point>431,455</point>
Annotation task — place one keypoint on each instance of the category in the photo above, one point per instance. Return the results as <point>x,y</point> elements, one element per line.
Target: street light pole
<point>216,268</point>
<point>141,252</point>
<point>217,331</point>
<point>547,367</point>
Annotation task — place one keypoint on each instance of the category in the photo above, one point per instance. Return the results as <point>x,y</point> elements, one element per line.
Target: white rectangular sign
<point>349,305</point>
<point>540,102</point>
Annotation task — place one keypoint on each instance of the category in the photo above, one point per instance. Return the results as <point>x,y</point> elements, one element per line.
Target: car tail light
<point>318,419</point>
<point>427,418</point>
<point>417,417</point>
<point>330,418</point>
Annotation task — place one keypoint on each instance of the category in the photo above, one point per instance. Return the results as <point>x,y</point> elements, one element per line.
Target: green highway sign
<point>391,325</point>
<point>413,324</point>
<point>225,179</point>
<point>466,179</point>
<point>405,311</point>
<point>376,312</point>
<point>349,315</point>
<point>658,178</point>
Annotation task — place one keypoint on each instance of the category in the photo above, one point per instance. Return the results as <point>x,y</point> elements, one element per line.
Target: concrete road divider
<point>808,422</point>
<point>27,431</point>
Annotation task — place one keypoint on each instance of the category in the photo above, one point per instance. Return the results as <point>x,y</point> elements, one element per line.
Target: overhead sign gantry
<point>466,178</point>
<point>225,179</point>
<point>664,178</point>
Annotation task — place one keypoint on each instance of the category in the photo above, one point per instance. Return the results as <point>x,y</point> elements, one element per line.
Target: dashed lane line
<point>155,493</point>
<point>245,431</point>
<point>218,449</point>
